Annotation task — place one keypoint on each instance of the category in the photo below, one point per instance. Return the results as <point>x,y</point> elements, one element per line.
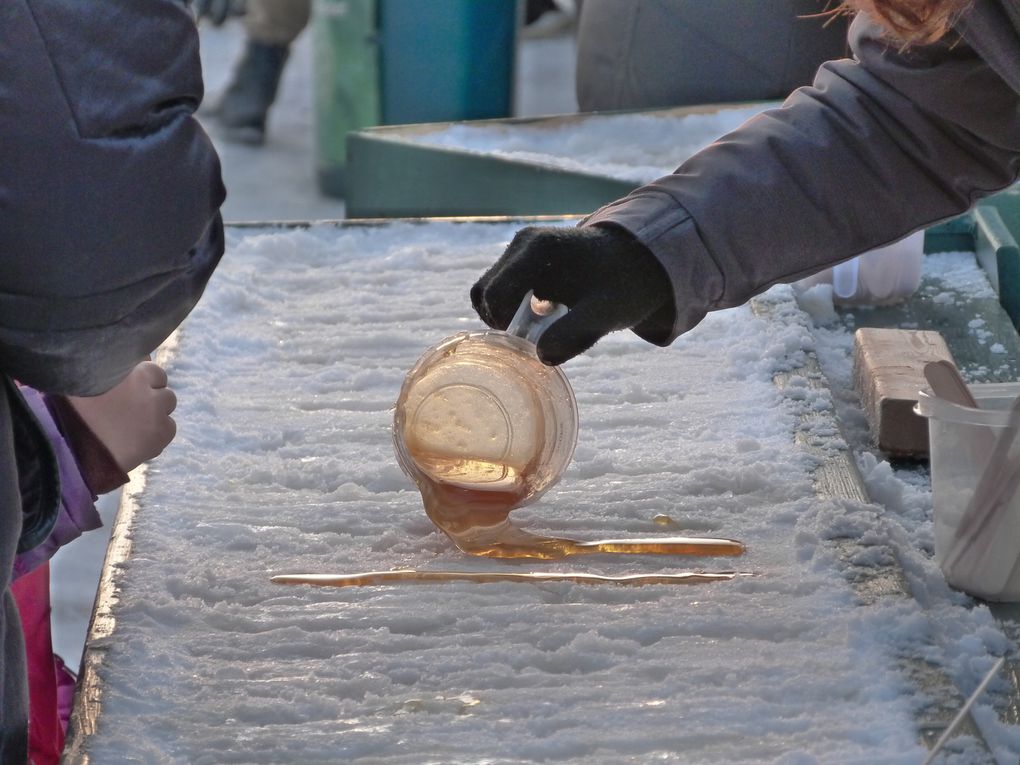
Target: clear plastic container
<point>483,427</point>
<point>479,412</point>
<point>975,475</point>
<point>881,276</point>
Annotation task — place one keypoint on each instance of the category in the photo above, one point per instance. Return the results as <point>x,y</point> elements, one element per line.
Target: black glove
<point>217,11</point>
<point>606,277</point>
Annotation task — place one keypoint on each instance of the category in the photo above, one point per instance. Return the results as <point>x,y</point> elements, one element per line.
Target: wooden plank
<point>88,696</point>
<point>391,179</point>
<point>836,477</point>
<point>952,319</point>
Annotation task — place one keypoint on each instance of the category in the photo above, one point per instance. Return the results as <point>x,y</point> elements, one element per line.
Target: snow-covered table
<point>558,164</point>
<point>286,374</point>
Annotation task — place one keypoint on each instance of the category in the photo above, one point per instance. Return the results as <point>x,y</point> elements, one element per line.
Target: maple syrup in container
<point>481,425</point>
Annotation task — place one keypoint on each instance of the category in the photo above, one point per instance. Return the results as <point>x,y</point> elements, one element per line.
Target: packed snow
<point>656,142</point>
<point>270,183</point>
<point>286,375</point>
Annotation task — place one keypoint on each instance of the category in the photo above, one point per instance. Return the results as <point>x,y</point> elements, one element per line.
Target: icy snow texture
<point>286,375</point>
<point>656,143</point>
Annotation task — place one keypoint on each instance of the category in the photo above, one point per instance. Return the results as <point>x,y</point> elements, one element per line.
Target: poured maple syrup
<point>478,522</point>
<point>471,500</point>
<point>483,427</point>
<point>414,576</point>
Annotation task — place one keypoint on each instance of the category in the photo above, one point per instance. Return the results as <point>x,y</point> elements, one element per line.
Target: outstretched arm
<point>879,147</point>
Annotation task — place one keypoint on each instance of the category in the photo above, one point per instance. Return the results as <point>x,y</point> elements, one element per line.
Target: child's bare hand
<point>132,419</point>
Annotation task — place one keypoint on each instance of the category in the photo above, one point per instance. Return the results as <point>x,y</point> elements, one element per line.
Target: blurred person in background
<point>271,27</point>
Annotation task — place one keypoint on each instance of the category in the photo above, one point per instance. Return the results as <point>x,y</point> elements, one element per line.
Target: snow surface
<point>286,375</point>
<point>638,147</point>
<point>271,183</point>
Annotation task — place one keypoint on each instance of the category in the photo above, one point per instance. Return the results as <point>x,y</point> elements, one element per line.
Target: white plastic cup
<point>962,444</point>
<point>881,276</point>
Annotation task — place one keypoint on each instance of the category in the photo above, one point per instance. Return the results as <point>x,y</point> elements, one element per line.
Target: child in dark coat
<point>109,231</point>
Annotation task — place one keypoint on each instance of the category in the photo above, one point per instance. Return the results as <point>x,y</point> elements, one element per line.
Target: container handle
<point>534,316</point>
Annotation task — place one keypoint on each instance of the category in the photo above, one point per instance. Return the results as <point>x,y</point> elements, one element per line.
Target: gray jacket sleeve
<point>878,147</point>
<point>109,189</point>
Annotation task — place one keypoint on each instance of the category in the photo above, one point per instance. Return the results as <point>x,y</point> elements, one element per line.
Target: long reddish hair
<point>914,22</point>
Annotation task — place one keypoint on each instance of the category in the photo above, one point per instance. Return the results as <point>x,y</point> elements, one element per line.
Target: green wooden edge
<point>997,252</point>
<point>388,179</point>
<point>954,235</point>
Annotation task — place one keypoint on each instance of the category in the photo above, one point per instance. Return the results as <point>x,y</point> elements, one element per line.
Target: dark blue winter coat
<point>109,230</point>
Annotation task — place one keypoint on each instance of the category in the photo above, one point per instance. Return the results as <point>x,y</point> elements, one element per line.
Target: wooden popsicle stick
<point>955,722</point>
<point>946,382</point>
